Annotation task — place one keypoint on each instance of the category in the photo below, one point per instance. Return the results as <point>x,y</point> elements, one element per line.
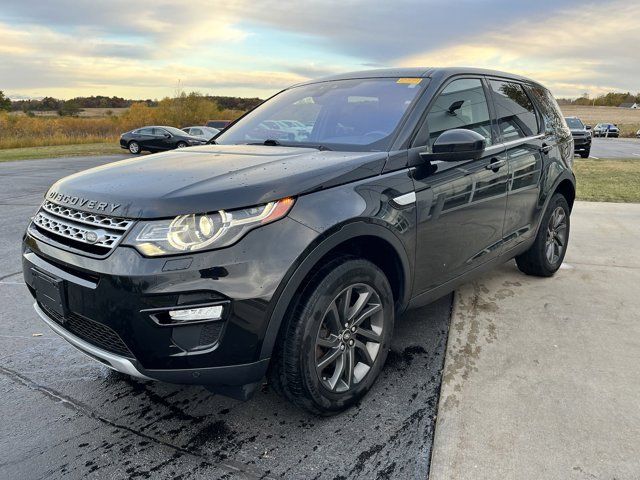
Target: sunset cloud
<point>147,49</point>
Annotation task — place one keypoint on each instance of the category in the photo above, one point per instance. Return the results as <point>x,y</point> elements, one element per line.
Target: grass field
<point>608,180</point>
<point>29,153</point>
<point>627,119</point>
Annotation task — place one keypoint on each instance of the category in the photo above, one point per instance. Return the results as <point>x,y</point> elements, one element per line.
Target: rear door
<point>519,130</point>
<point>145,137</point>
<point>461,205</point>
<point>160,140</point>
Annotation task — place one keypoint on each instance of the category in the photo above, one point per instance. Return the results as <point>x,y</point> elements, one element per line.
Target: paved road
<point>64,415</point>
<point>615,148</point>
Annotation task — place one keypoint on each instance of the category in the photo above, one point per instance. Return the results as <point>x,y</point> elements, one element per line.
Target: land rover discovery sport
<point>291,252</point>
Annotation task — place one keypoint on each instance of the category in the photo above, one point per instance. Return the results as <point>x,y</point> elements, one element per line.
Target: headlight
<point>188,233</point>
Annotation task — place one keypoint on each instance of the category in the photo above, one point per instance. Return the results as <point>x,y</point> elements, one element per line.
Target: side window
<point>159,132</point>
<point>514,110</point>
<point>551,115</point>
<point>145,131</point>
<point>196,131</point>
<point>462,104</point>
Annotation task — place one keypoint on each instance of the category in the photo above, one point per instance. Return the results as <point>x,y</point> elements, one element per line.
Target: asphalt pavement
<point>65,415</point>
<point>615,148</point>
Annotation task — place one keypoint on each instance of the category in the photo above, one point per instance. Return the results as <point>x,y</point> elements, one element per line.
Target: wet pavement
<point>66,416</point>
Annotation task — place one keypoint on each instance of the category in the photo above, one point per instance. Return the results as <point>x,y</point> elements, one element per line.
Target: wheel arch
<point>360,239</point>
<point>567,188</point>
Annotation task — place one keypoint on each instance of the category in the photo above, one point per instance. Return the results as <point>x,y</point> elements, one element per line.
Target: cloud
<point>591,50</point>
<point>144,47</point>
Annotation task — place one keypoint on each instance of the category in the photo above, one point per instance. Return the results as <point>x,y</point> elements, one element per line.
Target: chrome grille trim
<point>87,218</point>
<point>57,223</point>
<point>74,232</point>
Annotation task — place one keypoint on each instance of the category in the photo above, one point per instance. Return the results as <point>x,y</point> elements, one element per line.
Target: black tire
<point>312,334</point>
<point>134,147</point>
<point>585,154</point>
<point>539,260</point>
<point>181,145</point>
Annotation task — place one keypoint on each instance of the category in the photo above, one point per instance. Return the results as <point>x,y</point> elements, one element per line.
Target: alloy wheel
<point>556,235</point>
<point>349,338</point>
<point>134,147</point>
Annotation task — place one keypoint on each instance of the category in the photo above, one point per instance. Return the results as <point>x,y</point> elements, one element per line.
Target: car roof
<point>421,72</point>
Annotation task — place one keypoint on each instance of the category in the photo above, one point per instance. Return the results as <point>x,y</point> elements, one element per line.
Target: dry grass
<point>96,126</point>
<point>608,180</point>
<point>627,119</point>
<point>32,153</point>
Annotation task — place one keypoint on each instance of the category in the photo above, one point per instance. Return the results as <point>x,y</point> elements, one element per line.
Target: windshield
<point>574,123</point>
<point>352,115</point>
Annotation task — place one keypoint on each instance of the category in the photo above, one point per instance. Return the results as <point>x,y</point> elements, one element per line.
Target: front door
<point>461,205</point>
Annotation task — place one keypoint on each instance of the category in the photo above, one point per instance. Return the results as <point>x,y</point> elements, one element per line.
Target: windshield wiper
<point>272,142</point>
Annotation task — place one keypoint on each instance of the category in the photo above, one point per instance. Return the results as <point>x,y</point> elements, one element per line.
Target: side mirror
<point>588,127</point>
<point>167,135</point>
<point>455,146</point>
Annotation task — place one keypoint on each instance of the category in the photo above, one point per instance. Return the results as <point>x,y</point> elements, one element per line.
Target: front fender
<point>293,281</point>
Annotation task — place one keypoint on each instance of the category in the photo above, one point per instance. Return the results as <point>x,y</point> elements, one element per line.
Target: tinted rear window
<point>514,110</point>
<point>553,119</point>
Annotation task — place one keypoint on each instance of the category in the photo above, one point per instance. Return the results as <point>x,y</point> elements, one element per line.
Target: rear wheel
<point>546,254</point>
<point>134,147</point>
<point>335,341</point>
<point>181,145</point>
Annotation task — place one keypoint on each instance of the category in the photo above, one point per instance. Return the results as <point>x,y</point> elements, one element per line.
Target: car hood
<point>209,178</point>
<point>579,131</point>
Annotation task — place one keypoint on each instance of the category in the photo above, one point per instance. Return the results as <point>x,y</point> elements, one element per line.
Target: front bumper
<point>581,143</point>
<point>111,303</point>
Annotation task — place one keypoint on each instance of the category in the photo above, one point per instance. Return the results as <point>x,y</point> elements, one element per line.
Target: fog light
<point>193,314</point>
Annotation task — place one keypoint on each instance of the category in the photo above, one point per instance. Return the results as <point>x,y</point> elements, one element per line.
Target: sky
<point>155,48</point>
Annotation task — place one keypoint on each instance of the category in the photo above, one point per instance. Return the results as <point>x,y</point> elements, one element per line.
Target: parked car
<point>156,139</point>
<point>638,134</point>
<point>581,136</point>
<point>606,130</point>
<point>205,133</point>
<point>219,124</point>
<point>293,259</point>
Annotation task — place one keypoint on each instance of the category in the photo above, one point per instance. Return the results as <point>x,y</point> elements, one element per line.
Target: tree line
<point>73,106</point>
<point>611,99</point>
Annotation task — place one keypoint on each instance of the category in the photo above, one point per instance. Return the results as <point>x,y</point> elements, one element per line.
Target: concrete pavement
<point>542,376</point>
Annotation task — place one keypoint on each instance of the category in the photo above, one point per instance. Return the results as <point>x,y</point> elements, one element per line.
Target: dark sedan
<point>156,139</point>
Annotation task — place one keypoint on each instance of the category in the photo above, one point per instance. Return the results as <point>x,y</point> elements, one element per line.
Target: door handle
<point>495,164</point>
<point>546,148</point>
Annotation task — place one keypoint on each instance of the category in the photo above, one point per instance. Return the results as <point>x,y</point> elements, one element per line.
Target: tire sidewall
<point>557,201</point>
<point>351,272</point>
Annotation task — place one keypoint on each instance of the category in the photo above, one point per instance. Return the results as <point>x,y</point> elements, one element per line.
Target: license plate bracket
<point>50,292</point>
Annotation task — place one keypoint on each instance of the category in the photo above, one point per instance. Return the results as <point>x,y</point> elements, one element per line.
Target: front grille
<point>91,331</point>
<point>89,232</point>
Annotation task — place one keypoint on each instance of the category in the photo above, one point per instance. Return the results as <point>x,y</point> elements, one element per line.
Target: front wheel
<point>585,154</point>
<point>335,340</point>
<point>181,145</point>
<point>134,147</point>
<point>546,254</point>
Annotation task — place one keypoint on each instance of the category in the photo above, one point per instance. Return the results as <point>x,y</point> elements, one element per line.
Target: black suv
<point>581,136</point>
<point>216,265</point>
